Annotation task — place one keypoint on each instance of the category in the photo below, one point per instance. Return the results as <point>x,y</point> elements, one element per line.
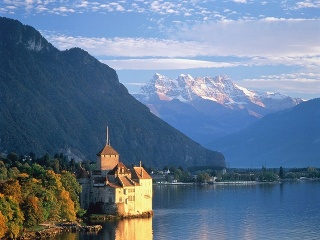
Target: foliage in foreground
<point>31,194</point>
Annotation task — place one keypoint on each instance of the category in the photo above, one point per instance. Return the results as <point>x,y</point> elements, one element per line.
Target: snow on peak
<point>220,89</point>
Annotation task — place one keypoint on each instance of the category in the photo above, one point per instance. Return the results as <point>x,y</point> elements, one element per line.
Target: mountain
<point>288,138</point>
<point>206,108</point>
<point>54,101</point>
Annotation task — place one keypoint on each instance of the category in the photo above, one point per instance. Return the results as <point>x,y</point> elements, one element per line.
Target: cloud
<point>307,4</point>
<point>136,84</point>
<point>184,63</point>
<point>240,1</point>
<point>298,82</point>
<point>164,64</point>
<point>132,47</point>
<point>269,37</point>
<point>265,42</point>
<point>62,10</point>
<point>165,7</point>
<point>268,41</point>
<point>306,61</point>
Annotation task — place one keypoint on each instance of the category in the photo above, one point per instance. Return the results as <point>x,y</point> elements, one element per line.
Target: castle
<point>113,188</point>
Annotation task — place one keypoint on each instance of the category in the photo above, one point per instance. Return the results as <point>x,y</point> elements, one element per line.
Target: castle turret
<point>107,158</point>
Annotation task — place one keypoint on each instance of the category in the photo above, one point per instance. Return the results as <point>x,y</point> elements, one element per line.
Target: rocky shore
<point>107,217</point>
<point>53,230</point>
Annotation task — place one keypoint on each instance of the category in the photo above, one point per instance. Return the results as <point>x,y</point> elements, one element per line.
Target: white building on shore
<point>115,189</point>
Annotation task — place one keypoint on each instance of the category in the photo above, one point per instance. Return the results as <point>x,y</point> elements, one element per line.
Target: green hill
<point>55,100</point>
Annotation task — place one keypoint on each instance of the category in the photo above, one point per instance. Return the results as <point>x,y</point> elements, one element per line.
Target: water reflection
<point>259,211</point>
<point>135,229</point>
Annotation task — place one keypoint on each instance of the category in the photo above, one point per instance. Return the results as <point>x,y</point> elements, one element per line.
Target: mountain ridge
<point>224,106</point>
<point>219,89</point>
<point>54,100</point>
<point>288,138</point>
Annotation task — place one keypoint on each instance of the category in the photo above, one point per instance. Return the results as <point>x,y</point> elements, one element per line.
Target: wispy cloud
<point>155,7</point>
<point>240,1</point>
<point>132,47</point>
<point>164,64</point>
<point>299,83</point>
<point>165,7</point>
<point>307,4</point>
<point>269,41</point>
<point>266,37</point>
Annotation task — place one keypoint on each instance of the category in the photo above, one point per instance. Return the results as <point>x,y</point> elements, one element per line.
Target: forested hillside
<point>55,101</point>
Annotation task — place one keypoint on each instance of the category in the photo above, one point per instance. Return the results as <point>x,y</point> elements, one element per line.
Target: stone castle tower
<point>107,158</point>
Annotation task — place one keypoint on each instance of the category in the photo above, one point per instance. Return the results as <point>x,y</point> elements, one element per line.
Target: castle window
<point>110,199</point>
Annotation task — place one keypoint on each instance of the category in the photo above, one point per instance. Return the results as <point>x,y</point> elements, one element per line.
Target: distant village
<point>207,175</point>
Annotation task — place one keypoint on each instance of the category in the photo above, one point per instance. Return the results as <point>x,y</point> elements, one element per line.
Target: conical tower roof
<point>107,150</point>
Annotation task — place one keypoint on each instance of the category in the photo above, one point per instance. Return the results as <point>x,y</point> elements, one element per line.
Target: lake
<point>259,211</point>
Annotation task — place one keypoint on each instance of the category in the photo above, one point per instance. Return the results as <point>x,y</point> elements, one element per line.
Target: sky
<point>261,45</point>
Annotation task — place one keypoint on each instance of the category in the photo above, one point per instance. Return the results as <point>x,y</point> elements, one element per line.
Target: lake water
<point>261,211</point>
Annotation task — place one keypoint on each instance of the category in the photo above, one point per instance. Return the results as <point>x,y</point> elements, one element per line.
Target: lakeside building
<point>115,189</point>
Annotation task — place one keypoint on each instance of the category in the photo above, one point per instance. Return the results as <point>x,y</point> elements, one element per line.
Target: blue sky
<point>262,45</point>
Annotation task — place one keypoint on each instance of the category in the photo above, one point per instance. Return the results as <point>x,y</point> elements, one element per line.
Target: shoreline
<point>237,182</point>
<point>59,228</point>
<point>53,229</point>
<point>106,217</point>
<point>215,183</point>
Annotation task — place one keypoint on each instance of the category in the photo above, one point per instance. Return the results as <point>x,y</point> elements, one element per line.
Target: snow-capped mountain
<point>218,89</point>
<point>205,108</point>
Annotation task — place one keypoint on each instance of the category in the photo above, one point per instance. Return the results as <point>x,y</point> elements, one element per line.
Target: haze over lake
<point>260,211</point>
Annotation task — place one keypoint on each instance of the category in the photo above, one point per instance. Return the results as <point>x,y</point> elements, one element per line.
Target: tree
<point>11,188</point>
<point>63,162</point>
<point>13,157</point>
<point>3,225</point>
<point>72,165</point>
<point>69,182</point>
<point>3,171</point>
<point>281,173</point>
<point>203,177</point>
<point>9,207</point>
<point>55,165</point>
<point>178,175</point>
<point>13,172</point>
<point>37,171</point>
<point>67,210</point>
<point>33,211</point>
<point>46,160</point>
